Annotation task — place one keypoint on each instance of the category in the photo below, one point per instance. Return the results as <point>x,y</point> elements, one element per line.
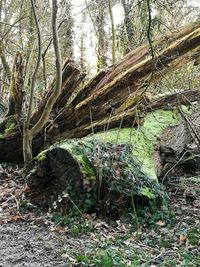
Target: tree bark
<point>178,148</point>
<point>16,87</point>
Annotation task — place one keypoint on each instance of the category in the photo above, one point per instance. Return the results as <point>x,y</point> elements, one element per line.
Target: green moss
<point>143,138</point>
<point>9,125</point>
<point>147,193</point>
<point>41,156</point>
<point>10,129</point>
<point>76,150</point>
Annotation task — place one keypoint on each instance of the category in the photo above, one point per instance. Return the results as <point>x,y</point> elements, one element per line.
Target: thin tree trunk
<point>30,133</point>
<point>113,31</point>
<point>27,135</point>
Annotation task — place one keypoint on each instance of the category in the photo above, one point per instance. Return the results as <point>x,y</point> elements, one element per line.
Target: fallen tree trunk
<point>133,58</point>
<point>92,175</point>
<point>111,98</point>
<point>121,87</point>
<point>136,76</point>
<point>132,117</point>
<point>11,139</point>
<point>178,148</point>
<point>105,172</point>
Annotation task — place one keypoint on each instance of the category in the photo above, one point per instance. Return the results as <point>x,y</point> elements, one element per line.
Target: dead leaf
<point>15,218</point>
<point>161,223</point>
<point>183,238</point>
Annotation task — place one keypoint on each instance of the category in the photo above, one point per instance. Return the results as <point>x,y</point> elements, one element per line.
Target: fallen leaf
<point>161,223</point>
<point>183,238</point>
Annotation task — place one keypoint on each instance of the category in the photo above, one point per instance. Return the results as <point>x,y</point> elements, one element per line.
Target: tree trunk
<point>103,173</point>
<point>92,175</point>
<point>179,147</point>
<point>16,87</point>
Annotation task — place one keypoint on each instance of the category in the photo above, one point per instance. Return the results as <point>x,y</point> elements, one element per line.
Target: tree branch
<point>52,99</point>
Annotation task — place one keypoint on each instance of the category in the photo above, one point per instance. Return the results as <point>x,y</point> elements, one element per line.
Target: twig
<point>190,124</point>
<point>163,179</point>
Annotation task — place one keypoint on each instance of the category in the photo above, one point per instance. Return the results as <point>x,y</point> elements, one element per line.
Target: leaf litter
<point>31,237</point>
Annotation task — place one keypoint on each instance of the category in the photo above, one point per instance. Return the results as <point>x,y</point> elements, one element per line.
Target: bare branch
<point>52,99</point>
<point>36,67</point>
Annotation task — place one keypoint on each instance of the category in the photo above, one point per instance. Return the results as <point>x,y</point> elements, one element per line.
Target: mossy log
<point>90,175</point>
<point>109,172</point>
<point>102,172</point>
<point>11,133</point>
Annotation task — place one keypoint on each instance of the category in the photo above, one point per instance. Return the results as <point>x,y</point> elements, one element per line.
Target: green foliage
<point>118,174</point>
<point>193,236</point>
<point>103,258</point>
<point>148,216</point>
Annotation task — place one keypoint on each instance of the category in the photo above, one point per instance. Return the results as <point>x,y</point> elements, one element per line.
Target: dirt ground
<point>29,237</point>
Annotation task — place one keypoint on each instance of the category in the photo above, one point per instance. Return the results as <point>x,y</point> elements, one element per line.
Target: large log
<point>92,175</point>
<point>106,171</point>
<point>11,138</point>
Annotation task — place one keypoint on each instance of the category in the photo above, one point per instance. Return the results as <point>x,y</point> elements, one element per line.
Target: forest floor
<point>30,237</point>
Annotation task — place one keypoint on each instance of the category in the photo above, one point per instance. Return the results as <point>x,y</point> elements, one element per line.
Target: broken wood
<point>71,78</point>
<point>124,86</point>
<point>178,147</point>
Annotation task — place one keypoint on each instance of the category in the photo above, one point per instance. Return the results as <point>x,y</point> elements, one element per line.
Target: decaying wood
<point>178,146</point>
<point>16,87</point>
<point>120,88</point>
<point>116,95</point>
<point>71,78</point>
<point>131,59</point>
<point>186,98</point>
